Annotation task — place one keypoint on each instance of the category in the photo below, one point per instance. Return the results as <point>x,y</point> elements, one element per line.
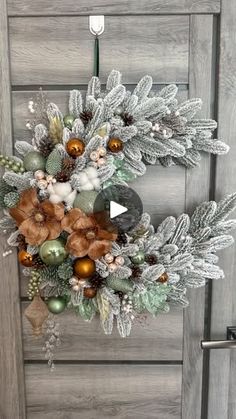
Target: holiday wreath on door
<point>73,260</point>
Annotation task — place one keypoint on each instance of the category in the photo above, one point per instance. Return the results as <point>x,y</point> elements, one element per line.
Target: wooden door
<point>158,371</point>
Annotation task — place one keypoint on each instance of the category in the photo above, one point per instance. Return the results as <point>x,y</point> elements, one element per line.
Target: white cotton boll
<point>55,199</point>
<point>70,198</point>
<point>96,183</point>
<point>91,172</point>
<point>50,189</point>
<point>83,178</point>
<point>87,187</point>
<point>62,189</point>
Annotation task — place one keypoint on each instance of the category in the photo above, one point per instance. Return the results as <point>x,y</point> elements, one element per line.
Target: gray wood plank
<point>153,339</point>
<point>12,403</point>
<point>197,190</point>
<point>103,392</point>
<point>121,7</point>
<point>222,386</point>
<point>59,50</point>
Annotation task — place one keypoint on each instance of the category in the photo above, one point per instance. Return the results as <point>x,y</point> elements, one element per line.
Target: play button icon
<point>116,209</point>
<point>118,205</point>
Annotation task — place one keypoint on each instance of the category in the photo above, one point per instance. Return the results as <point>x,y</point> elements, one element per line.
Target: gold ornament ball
<point>115,145</point>
<point>25,258</point>
<point>90,292</point>
<point>84,267</point>
<point>75,147</point>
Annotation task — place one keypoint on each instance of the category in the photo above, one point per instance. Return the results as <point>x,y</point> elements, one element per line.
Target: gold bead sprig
<point>33,285</point>
<point>11,164</point>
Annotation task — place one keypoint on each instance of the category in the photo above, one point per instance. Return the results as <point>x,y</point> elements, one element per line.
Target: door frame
<point>222,363</point>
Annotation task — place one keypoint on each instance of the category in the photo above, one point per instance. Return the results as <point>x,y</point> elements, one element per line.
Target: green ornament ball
<point>56,305</point>
<point>34,161</point>
<point>85,201</point>
<point>53,252</point>
<point>139,258</point>
<point>125,175</point>
<point>68,121</point>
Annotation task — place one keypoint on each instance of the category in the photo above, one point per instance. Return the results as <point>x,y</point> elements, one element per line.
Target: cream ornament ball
<point>61,192</point>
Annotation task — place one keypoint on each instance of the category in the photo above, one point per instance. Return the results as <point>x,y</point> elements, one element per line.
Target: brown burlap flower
<point>87,237</point>
<point>37,221</point>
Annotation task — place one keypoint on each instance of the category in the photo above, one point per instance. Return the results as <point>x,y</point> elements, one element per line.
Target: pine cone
<point>136,272</point>
<point>96,281</point>
<point>21,242</point>
<point>128,119</point>
<point>151,259</point>
<point>37,263</point>
<point>121,239</point>
<point>68,166</point>
<point>163,278</point>
<point>46,146</point>
<point>86,116</point>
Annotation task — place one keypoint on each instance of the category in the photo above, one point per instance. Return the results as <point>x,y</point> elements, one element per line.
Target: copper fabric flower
<point>87,237</point>
<point>37,221</point>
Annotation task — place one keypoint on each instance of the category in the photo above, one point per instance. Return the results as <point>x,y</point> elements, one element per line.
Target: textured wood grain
<point>121,7</point>
<point>156,339</point>
<point>103,392</point>
<point>197,190</point>
<point>59,50</point>
<point>12,403</point>
<point>222,385</point>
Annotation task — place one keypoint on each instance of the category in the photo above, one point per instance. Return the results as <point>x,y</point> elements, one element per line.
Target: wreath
<point>71,259</point>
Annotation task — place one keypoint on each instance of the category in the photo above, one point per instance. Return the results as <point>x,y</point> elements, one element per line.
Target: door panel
<point>100,376</point>
<point>153,340</point>
<point>60,50</point>
<point>120,7</point>
<point>104,391</point>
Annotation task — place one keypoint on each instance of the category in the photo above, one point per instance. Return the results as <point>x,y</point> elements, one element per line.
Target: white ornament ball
<point>112,267</point>
<point>42,184</point>
<point>101,162</point>
<point>73,280</point>
<point>119,260</point>
<point>108,258</point>
<point>102,151</point>
<point>50,179</point>
<point>94,156</point>
<point>39,174</point>
<point>76,288</point>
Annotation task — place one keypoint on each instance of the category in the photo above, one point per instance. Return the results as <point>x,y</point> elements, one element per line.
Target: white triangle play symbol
<point>116,209</point>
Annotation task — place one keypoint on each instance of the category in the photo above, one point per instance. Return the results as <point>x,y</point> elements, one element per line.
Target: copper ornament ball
<point>90,292</point>
<point>25,258</point>
<point>75,147</point>
<point>115,145</point>
<point>84,267</point>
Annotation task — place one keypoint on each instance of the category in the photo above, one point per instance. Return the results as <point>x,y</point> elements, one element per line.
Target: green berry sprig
<point>11,164</point>
<point>33,285</point>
